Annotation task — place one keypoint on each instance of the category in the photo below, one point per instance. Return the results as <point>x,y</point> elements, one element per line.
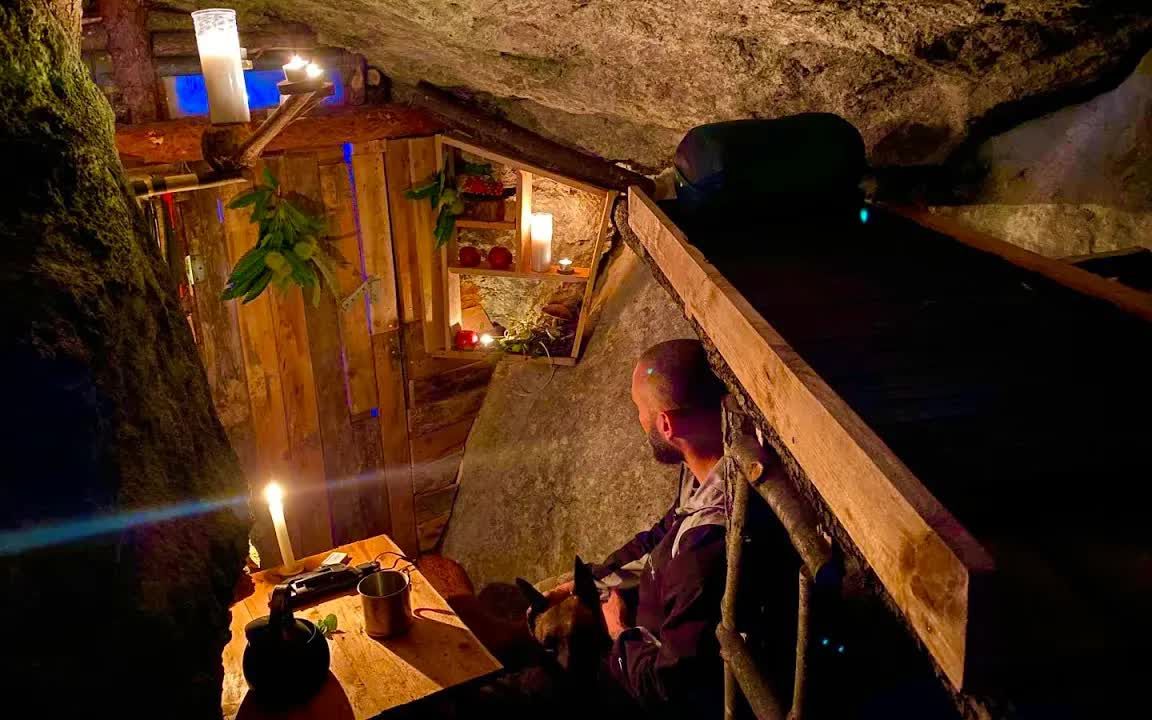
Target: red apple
<point>499,258</point>
<point>469,256</point>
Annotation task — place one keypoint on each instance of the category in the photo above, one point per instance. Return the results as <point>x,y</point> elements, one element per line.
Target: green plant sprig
<point>290,249</point>
<point>441,192</point>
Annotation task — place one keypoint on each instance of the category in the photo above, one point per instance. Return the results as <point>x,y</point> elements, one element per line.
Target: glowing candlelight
<point>222,64</point>
<point>296,69</point>
<point>274,494</point>
<point>486,340</point>
<point>314,71</point>
<point>566,266</point>
<point>541,242</point>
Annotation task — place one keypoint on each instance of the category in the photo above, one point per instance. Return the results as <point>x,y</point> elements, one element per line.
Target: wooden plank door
<point>313,395</point>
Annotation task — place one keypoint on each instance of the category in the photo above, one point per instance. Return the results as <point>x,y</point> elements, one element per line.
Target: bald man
<point>668,657</point>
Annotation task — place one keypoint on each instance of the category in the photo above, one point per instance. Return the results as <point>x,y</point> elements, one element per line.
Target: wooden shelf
<point>578,275</point>
<point>566,360</point>
<point>466,224</point>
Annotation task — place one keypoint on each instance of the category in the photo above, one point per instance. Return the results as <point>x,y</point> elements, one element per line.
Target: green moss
<point>120,417</point>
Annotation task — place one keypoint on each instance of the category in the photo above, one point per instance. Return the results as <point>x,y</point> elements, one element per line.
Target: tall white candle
<point>275,497</point>
<point>222,65</point>
<point>541,242</point>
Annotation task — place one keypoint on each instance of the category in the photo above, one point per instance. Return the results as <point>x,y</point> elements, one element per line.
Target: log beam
<point>128,43</point>
<point>179,140</point>
<point>497,134</point>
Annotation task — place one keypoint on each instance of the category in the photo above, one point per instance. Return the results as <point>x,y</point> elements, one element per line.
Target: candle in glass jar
<point>222,65</point>
<point>541,242</point>
<point>565,266</point>
<point>275,497</point>
<point>296,69</point>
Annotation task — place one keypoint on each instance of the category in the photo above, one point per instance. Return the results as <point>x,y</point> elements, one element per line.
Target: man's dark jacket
<point>670,661</point>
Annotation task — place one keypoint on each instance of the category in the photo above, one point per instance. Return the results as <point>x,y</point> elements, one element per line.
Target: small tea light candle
<point>313,71</point>
<point>296,69</point>
<point>486,340</point>
<point>274,494</point>
<point>566,266</point>
<point>541,242</point>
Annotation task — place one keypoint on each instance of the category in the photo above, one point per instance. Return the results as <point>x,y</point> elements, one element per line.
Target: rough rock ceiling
<point>625,78</point>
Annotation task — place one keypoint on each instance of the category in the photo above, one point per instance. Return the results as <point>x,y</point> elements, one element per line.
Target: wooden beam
<point>1126,298</point>
<point>582,326</point>
<point>502,136</point>
<point>179,140</point>
<point>129,46</point>
<point>929,564</point>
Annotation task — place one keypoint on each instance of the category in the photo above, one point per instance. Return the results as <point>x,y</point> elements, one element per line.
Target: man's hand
<point>615,614</point>
<point>561,592</point>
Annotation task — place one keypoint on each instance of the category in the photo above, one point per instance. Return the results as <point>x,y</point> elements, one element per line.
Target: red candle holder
<point>467,339</point>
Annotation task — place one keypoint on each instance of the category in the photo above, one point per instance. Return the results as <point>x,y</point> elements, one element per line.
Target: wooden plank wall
<point>345,407</point>
<point>443,395</point>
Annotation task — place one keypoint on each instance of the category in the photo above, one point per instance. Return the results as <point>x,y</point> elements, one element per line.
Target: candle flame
<point>296,63</point>
<point>273,493</point>
<point>565,262</point>
<point>314,71</point>
<point>487,339</point>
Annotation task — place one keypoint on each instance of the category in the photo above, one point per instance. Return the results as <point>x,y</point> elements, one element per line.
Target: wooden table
<point>367,676</point>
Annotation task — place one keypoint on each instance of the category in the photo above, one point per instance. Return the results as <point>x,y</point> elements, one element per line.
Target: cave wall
<point>123,514</point>
<point>556,463</point>
<point>1074,182</point>
<point>626,79</point>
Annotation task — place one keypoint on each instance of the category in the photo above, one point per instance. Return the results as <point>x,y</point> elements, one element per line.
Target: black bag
<point>800,163</point>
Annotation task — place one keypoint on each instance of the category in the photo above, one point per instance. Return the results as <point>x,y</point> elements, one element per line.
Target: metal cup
<point>387,599</point>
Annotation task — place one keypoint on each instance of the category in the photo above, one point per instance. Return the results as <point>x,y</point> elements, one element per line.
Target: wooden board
<point>524,220</point>
<point>340,203</point>
<point>927,561</point>
<point>445,441</point>
<point>1128,299</point>
<point>375,513</point>
<point>393,424</point>
<point>369,675</point>
<point>262,369</point>
<point>430,261</point>
<point>306,494</point>
<point>179,140</point>
<point>219,328</point>
<point>341,455</point>
<point>376,232</point>
<point>520,165</point>
<point>578,275</point>
<point>582,326</point>
<point>402,211</point>
<point>433,416</point>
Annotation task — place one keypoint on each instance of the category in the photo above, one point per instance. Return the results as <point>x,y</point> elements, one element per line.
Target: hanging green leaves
<point>441,192</point>
<point>290,249</point>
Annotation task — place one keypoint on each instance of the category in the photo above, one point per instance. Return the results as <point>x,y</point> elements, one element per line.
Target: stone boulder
<point>556,463</point>
<point>1074,182</point>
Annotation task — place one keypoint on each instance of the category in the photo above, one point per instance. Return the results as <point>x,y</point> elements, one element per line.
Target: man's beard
<point>664,451</point>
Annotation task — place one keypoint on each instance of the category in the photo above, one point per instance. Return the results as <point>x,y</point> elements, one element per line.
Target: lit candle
<point>296,69</point>
<point>275,497</point>
<point>486,340</point>
<point>565,266</point>
<point>541,242</point>
<point>313,71</point>
<point>222,65</point>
